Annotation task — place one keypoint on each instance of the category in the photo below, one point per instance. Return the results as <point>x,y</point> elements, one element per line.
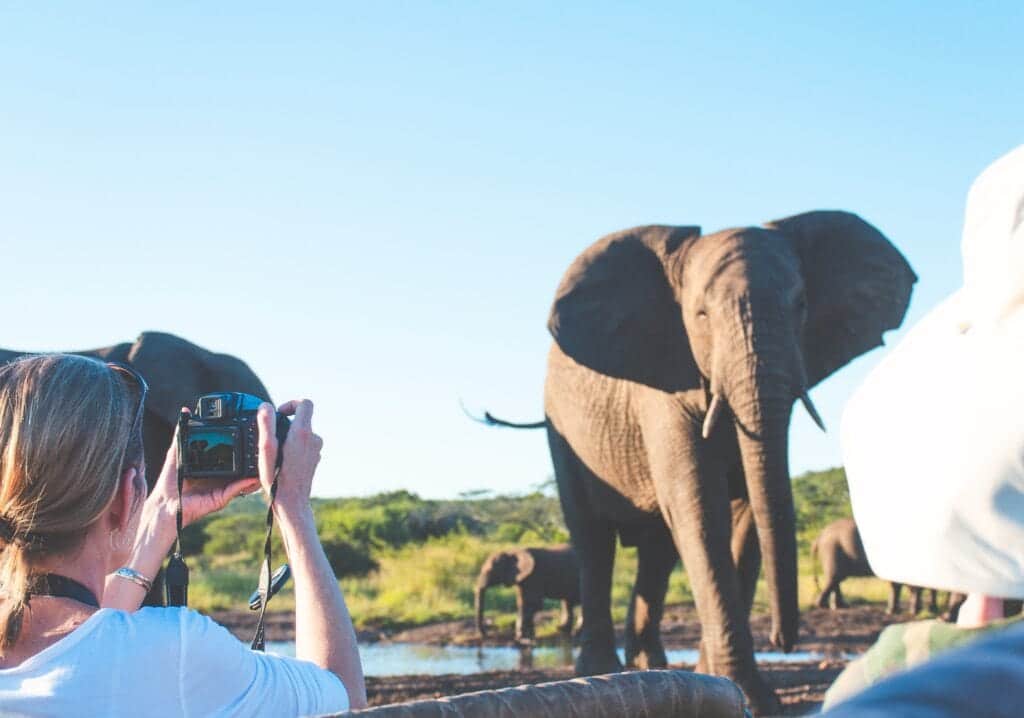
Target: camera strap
<point>264,590</point>
<point>176,575</point>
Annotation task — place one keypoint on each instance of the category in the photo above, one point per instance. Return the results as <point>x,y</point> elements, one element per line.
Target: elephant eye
<point>702,314</point>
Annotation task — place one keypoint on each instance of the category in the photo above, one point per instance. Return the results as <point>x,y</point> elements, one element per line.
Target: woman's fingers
<point>303,415</point>
<point>199,500</point>
<point>288,408</point>
<point>268,448</point>
<point>237,488</point>
<point>301,455</point>
<point>169,471</point>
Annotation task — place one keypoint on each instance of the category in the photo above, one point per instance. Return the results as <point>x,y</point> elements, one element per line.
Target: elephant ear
<point>178,371</point>
<point>858,286</point>
<point>525,564</point>
<point>616,313</point>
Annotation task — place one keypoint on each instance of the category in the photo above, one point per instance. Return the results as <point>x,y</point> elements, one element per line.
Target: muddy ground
<point>801,685</point>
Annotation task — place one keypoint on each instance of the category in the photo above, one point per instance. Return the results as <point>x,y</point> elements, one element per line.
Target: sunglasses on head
<point>139,385</point>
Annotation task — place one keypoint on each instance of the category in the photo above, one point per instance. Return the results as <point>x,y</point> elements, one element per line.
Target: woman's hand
<point>198,498</point>
<point>157,527</point>
<point>301,456</point>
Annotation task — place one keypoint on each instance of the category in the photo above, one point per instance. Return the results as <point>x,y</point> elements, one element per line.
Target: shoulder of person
<point>901,644</point>
<point>174,621</point>
<point>985,677</point>
<point>916,641</point>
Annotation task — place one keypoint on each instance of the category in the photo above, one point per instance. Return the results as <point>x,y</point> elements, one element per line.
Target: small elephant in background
<point>842,555</point>
<point>537,573</point>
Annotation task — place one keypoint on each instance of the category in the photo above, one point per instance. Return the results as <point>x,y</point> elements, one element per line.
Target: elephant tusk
<point>809,405</point>
<point>714,411</point>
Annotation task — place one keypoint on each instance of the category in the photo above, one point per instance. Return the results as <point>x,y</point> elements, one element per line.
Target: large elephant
<point>670,384</point>
<point>177,371</point>
<point>842,555</point>
<point>537,573</point>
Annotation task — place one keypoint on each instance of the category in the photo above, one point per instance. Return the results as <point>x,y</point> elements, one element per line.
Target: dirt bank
<point>801,685</point>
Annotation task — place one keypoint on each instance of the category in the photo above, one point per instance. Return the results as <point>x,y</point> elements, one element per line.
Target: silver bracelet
<point>130,574</point>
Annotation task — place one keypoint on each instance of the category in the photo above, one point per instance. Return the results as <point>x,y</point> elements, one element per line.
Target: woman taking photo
<point>80,542</point>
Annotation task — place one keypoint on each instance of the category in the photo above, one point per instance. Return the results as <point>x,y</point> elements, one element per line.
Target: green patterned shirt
<point>901,646</point>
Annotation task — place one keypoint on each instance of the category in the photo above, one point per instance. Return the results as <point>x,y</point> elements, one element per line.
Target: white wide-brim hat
<point>933,441</point>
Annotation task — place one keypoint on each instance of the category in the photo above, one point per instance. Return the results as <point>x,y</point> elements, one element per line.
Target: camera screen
<point>211,449</point>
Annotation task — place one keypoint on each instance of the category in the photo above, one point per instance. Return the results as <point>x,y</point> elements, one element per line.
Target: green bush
<point>426,582</point>
<point>510,533</point>
<point>348,559</point>
<point>403,560</point>
<point>241,536</point>
<point>819,498</point>
<point>229,535</point>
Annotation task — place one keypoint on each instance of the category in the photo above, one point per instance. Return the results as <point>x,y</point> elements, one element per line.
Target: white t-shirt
<point>164,662</point>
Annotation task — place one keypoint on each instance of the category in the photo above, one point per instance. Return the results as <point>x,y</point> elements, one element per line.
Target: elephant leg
<point>597,637</point>
<point>915,606</point>
<point>520,613</point>
<point>565,623</point>
<point>826,597</point>
<point>746,554</point>
<point>697,507</point>
<point>837,597</point>
<point>956,600</point>
<point>594,541</point>
<point>527,604</point>
<point>894,598</point>
<point>933,605</point>
<point>656,557</point>
<point>746,551</point>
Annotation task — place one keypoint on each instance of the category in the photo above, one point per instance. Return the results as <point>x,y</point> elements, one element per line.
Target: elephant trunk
<point>762,402</point>
<point>763,450</point>
<point>478,604</point>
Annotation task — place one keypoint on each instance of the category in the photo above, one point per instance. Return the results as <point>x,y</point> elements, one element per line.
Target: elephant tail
<point>817,565</point>
<point>491,420</point>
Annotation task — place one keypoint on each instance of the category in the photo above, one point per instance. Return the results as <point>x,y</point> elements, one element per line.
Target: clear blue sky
<point>372,203</point>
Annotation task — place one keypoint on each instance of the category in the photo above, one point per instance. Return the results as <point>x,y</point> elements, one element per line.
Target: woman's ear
<point>131,490</point>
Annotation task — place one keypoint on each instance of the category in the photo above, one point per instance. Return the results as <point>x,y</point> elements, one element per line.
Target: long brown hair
<point>66,434</point>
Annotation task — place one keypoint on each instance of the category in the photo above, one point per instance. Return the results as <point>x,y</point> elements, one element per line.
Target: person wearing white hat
<point>933,446</point>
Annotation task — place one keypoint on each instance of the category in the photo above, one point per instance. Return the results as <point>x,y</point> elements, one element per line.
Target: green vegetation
<point>405,561</point>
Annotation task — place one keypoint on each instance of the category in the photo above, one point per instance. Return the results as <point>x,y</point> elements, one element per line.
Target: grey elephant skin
<point>676,361</point>
<point>177,372</point>
<point>650,694</point>
<point>841,553</point>
<point>537,573</point>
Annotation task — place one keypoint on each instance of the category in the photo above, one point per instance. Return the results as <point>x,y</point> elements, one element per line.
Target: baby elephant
<point>537,573</point>
<point>842,555</point>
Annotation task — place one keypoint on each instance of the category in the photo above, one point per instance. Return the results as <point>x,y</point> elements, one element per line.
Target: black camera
<point>219,440</point>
